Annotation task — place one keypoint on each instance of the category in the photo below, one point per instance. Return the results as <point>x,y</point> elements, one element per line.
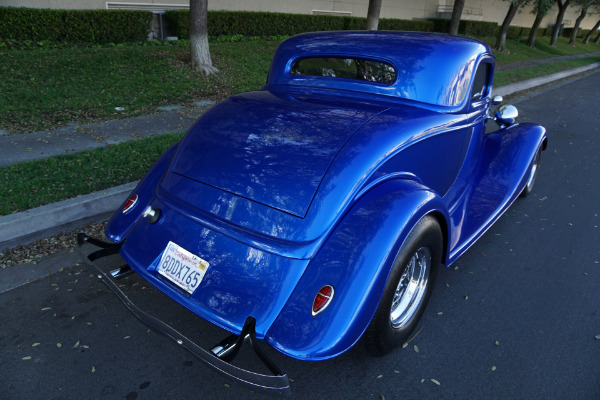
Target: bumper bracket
<point>220,356</point>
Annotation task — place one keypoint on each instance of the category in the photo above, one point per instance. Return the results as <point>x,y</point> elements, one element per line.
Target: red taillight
<point>130,203</point>
<point>322,299</point>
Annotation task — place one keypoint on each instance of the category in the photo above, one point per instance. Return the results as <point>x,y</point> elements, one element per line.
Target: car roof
<point>431,68</point>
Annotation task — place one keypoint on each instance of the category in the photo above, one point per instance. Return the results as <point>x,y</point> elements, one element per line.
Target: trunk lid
<point>269,147</point>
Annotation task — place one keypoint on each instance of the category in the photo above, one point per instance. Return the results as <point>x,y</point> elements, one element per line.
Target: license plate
<point>181,267</point>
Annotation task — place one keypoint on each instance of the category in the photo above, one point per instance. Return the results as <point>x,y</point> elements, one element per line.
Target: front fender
<point>356,260</point>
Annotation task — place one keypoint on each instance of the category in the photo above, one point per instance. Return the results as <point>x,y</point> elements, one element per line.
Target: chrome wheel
<point>533,171</point>
<point>411,288</point>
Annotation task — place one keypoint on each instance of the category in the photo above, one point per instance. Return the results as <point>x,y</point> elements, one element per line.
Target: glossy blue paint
<point>319,180</point>
<point>240,281</point>
<point>352,262</point>
<point>278,154</point>
<point>433,69</point>
<point>120,223</point>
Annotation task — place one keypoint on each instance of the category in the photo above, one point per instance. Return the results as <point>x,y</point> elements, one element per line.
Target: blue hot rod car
<point>315,212</point>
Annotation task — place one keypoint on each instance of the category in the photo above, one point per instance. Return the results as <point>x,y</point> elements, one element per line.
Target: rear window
<point>347,68</point>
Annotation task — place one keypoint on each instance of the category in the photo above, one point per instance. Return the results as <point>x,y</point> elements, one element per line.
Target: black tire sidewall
<point>381,336</point>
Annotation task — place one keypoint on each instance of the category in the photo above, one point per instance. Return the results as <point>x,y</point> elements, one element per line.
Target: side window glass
<point>480,81</point>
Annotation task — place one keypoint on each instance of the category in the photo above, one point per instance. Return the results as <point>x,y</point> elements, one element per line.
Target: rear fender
<point>120,223</point>
<point>356,260</point>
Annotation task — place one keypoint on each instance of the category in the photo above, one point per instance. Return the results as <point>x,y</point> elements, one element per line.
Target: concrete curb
<point>542,80</point>
<point>27,226</point>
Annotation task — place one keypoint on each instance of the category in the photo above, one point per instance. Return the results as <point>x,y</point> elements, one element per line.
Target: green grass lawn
<point>42,89</point>
<point>33,183</point>
<point>517,75</point>
<point>517,50</point>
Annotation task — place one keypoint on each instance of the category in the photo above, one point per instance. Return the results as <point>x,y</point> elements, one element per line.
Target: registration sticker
<point>181,267</point>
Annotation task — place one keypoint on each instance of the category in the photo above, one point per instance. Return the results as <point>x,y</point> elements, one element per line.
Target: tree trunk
<point>591,32</point>
<point>456,14</point>
<point>512,11</point>
<point>577,24</point>
<point>597,40</point>
<point>562,8</point>
<point>201,60</point>
<point>373,14</point>
<point>533,31</point>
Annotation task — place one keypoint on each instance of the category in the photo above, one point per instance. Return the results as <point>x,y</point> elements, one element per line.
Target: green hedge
<point>478,28</point>
<point>250,23</point>
<point>517,32</point>
<point>567,32</point>
<point>77,26</point>
<point>466,27</point>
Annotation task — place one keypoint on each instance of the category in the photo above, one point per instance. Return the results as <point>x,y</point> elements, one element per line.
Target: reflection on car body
<point>322,205</point>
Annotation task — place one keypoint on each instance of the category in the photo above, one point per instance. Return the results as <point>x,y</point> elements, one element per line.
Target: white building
<point>479,10</point>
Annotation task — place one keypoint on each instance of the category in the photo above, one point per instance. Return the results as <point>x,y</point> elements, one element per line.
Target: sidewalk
<point>27,226</point>
<point>77,137</point>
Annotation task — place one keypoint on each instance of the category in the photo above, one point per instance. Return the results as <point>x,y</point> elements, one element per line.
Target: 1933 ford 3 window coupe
<point>314,212</point>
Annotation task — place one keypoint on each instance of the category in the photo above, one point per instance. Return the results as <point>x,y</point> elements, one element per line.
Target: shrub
<point>441,25</point>
<point>466,27</point>
<point>77,26</point>
<point>516,32</point>
<point>262,24</point>
<point>478,28</point>
<point>567,32</point>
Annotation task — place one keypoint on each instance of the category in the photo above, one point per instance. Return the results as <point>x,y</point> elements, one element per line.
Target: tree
<point>201,60</point>
<point>373,14</point>
<point>512,11</point>
<point>591,32</point>
<point>540,9</point>
<point>562,8</point>
<point>455,19</point>
<point>585,5</point>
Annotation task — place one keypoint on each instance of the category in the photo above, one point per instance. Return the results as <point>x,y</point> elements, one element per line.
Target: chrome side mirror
<point>506,115</point>
<point>497,100</point>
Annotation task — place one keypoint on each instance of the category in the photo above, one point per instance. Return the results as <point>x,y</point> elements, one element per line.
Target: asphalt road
<point>516,318</point>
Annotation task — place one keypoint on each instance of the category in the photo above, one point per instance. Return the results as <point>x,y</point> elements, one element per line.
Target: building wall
<point>480,10</point>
